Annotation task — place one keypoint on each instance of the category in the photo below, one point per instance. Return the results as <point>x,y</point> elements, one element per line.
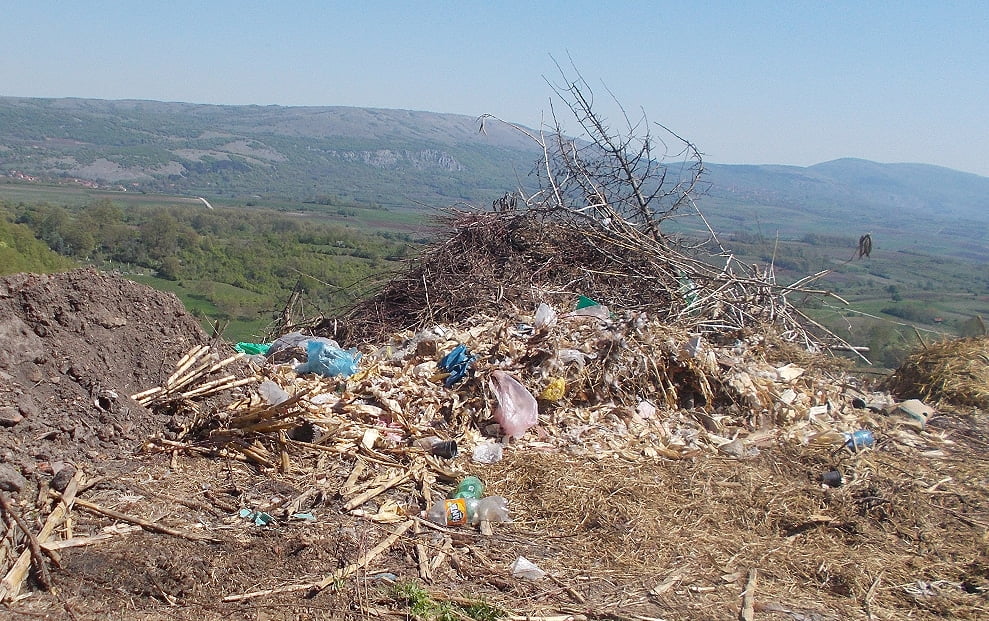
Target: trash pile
<point>656,446</point>
<point>589,382</point>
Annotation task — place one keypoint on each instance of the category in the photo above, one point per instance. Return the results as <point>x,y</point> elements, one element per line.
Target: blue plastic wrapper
<point>859,440</point>
<point>457,363</point>
<point>328,360</point>
<point>260,518</point>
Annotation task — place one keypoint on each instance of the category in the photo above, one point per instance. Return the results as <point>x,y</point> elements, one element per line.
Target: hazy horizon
<point>796,83</point>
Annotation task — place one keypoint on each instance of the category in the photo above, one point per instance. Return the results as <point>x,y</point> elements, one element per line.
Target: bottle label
<point>455,511</point>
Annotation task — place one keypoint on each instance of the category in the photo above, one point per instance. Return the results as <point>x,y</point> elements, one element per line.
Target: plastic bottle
<point>488,509</point>
<point>448,512</point>
<point>471,487</point>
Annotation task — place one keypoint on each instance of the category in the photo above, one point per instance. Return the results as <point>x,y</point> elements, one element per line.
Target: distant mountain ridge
<point>400,158</point>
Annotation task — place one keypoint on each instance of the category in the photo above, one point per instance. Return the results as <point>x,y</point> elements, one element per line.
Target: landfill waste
<point>252,349</point>
<point>526,569</point>
<point>437,446</point>
<point>487,509</point>
<point>468,510</point>
<point>328,359</point>
<point>912,412</point>
<point>555,389</point>
<point>448,512</point>
<point>832,478</point>
<point>517,409</point>
<point>468,505</point>
<point>288,341</point>
<point>487,453</point>
<point>260,518</point>
<point>470,487</point>
<point>585,302</point>
<point>272,393</point>
<point>858,440</point>
<point>545,318</point>
<point>457,363</point>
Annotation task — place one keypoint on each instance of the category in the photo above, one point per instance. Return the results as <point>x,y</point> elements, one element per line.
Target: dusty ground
<point>904,537</point>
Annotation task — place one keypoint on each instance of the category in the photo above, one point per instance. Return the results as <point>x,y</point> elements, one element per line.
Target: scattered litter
<point>272,393</point>
<point>526,569</point>
<point>260,518</point>
<point>555,389</point>
<point>858,440</point>
<point>441,448</point>
<point>913,412</point>
<point>517,409</point>
<point>545,317</point>
<point>832,478</point>
<point>448,512</point>
<point>329,360</point>
<point>487,453</point>
<point>457,363</point>
<point>252,349</point>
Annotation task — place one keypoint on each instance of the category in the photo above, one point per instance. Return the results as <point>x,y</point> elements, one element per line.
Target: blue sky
<point>747,82</point>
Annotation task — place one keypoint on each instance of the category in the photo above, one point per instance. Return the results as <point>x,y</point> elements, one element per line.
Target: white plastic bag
<point>524,568</point>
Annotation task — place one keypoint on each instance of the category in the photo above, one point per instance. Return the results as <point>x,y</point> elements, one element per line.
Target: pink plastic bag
<point>517,409</point>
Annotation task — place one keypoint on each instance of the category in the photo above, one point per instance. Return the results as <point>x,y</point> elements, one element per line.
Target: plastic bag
<point>517,409</point>
<point>287,341</point>
<point>326,359</point>
<point>487,453</point>
<point>545,317</point>
<point>457,363</point>
<point>272,393</point>
<point>252,349</point>
<point>524,568</point>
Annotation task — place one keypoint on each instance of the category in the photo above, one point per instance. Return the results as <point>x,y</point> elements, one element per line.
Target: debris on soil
<point>668,468</point>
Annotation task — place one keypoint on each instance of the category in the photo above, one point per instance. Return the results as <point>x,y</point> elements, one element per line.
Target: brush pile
<point>952,372</point>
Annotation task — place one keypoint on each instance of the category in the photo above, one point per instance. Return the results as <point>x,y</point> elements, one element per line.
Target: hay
<point>953,372</point>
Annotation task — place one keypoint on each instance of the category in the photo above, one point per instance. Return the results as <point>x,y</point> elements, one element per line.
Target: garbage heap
<point>389,413</point>
<point>599,340</point>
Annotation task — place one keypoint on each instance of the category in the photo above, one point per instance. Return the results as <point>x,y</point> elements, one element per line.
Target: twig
<point>11,583</point>
<point>145,524</point>
<point>748,597</point>
<point>357,501</point>
<point>421,555</point>
<point>364,561</point>
<point>37,559</point>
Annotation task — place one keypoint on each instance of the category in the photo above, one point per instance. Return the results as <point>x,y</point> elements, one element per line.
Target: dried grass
<point>954,372</point>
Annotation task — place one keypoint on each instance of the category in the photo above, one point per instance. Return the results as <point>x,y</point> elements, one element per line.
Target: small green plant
<point>424,606</point>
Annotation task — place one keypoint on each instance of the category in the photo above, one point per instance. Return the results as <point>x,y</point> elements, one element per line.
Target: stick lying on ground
<point>10,586</point>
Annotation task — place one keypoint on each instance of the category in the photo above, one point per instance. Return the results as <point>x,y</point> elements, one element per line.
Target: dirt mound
<point>74,346</point>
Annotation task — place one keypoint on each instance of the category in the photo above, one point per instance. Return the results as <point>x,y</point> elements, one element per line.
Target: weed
<point>424,606</point>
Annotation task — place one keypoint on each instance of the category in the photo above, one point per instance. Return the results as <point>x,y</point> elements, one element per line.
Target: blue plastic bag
<point>326,359</point>
<point>457,363</point>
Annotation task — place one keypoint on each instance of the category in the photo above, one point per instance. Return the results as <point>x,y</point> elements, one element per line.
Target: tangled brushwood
<point>598,227</point>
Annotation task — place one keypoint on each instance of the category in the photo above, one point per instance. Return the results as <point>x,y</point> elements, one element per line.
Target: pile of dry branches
<point>595,228</point>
